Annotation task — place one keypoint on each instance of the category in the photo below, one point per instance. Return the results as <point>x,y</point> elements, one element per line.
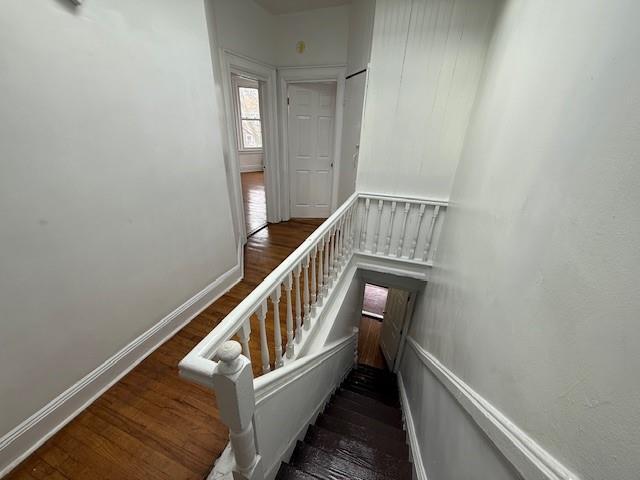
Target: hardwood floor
<point>369,352</point>
<point>152,424</point>
<point>255,203</point>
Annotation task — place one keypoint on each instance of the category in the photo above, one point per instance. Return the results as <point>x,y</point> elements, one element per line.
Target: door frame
<point>287,75</point>
<point>236,64</point>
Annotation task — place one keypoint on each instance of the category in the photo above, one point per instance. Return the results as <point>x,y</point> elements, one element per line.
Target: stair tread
<point>326,465</point>
<point>388,376</point>
<point>371,424</point>
<point>376,395</point>
<point>387,388</point>
<point>382,413</point>
<point>358,452</point>
<point>358,432</point>
<point>289,472</point>
<point>367,402</point>
<point>373,370</point>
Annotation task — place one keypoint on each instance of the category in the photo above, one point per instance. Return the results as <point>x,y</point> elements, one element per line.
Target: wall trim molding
<point>21,441</point>
<point>414,444</point>
<point>531,460</point>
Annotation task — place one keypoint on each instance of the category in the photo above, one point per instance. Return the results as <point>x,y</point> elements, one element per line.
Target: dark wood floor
<point>152,424</point>
<point>255,202</point>
<point>369,352</point>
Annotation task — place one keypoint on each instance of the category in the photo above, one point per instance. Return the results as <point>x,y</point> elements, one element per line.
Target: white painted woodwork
<point>264,348</point>
<point>290,332</point>
<point>277,336</point>
<point>244,335</point>
<point>314,279</point>
<point>392,324</point>
<point>296,274</point>
<point>233,382</point>
<point>427,58</point>
<point>316,270</point>
<point>311,148</point>
<point>306,319</point>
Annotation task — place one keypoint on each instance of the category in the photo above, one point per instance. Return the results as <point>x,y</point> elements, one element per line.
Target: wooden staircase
<point>358,436</point>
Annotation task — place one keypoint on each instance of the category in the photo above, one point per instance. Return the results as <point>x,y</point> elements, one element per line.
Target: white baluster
<point>332,245</point>
<point>306,322</point>
<point>264,347</point>
<point>339,233</point>
<point>414,243</point>
<point>320,271</point>
<point>290,342</point>
<point>314,252</point>
<point>432,225</point>
<point>343,241</point>
<point>352,215</point>
<point>334,255</point>
<point>296,276</point>
<point>387,246</point>
<point>233,383</point>
<point>365,219</point>
<point>244,334</point>
<point>327,240</point>
<point>277,336</point>
<point>403,231</point>
<point>374,249</point>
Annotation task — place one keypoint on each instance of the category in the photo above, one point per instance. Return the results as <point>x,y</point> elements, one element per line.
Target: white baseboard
<point>528,458</point>
<point>414,445</point>
<point>251,168</point>
<point>20,442</point>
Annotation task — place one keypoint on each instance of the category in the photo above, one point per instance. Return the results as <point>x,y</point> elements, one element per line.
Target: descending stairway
<point>358,436</point>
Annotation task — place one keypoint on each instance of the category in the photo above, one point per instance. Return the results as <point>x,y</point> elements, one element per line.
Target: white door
<point>395,313</point>
<point>311,126</point>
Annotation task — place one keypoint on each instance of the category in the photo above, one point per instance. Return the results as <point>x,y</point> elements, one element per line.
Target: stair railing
<point>400,229</point>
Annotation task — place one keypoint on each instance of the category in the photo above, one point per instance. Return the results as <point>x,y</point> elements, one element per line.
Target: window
<point>250,124</point>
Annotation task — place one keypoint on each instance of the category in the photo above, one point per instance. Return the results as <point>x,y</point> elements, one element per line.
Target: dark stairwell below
<point>358,436</point>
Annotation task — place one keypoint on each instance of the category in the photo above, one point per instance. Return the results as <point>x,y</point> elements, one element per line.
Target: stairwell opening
<point>384,319</point>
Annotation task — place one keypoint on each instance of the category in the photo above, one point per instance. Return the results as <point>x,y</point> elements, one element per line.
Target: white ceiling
<point>279,7</point>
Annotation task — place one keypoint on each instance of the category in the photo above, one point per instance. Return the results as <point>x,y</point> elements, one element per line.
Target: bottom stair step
<point>358,452</point>
<point>288,472</point>
<point>327,466</point>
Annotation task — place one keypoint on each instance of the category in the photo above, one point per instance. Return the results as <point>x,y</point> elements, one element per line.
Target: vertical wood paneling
<point>426,63</point>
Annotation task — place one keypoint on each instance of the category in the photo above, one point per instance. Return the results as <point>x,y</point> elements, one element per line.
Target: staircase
<point>358,436</point>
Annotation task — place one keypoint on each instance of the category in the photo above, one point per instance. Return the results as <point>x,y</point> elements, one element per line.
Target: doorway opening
<point>383,325</point>
<point>248,112</point>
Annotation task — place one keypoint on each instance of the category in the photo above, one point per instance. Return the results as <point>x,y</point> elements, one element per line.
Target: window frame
<point>238,83</point>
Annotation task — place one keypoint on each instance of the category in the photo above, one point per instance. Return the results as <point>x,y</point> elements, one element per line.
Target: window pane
<point>249,102</point>
<point>251,134</point>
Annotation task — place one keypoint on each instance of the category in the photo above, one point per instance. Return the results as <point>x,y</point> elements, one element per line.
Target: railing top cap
<point>229,351</point>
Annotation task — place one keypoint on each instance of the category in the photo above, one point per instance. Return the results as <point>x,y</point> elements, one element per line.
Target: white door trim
<point>233,63</point>
<point>286,75</point>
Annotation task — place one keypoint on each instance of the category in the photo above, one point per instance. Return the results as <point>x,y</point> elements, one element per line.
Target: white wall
<point>325,32</point>
<point>534,301</point>
<point>113,203</point>
<point>426,62</point>
<point>244,27</point>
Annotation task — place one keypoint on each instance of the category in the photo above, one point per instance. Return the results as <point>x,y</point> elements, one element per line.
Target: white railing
<point>374,226</point>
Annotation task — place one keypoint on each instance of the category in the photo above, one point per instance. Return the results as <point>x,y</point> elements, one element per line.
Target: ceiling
<point>279,7</point>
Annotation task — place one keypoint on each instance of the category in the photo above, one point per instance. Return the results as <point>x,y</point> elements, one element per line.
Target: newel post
<point>233,383</point>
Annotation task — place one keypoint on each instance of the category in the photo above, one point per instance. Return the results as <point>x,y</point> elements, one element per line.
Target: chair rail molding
<point>530,459</point>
